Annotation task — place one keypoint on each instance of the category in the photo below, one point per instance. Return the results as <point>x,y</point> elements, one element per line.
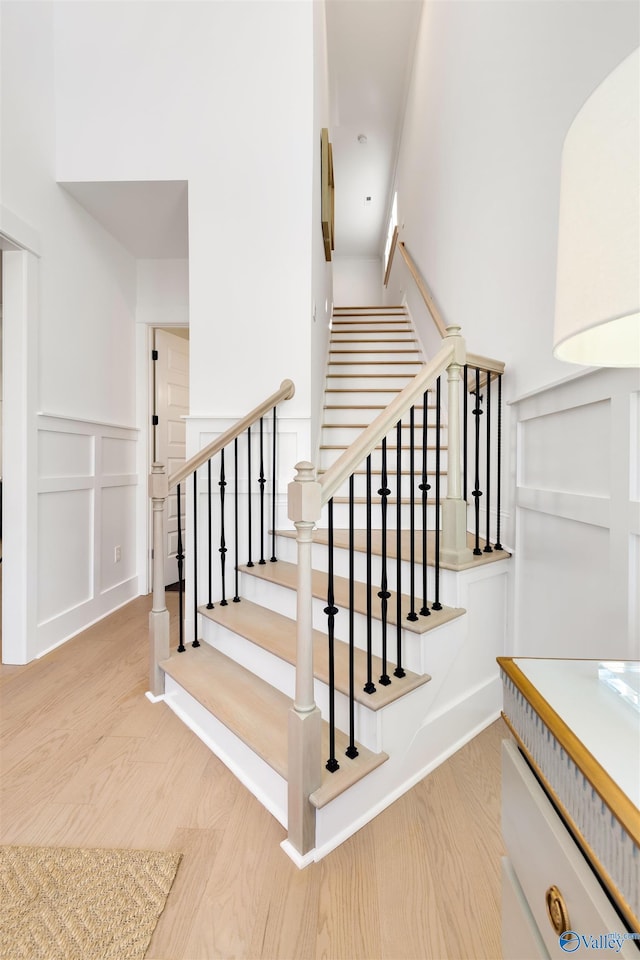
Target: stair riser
<point>370,382</point>
<point>448,579</point>
<point>364,393</point>
<point>327,457</point>
<point>341,517</point>
<point>363,415</point>
<point>408,367</point>
<point>281,675</point>
<point>360,486</point>
<point>346,434</point>
<point>366,354</point>
<point>387,335</point>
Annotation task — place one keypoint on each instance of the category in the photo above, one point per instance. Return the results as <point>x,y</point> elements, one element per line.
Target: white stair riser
<point>353,414</point>
<point>281,675</point>
<point>365,392</point>
<point>360,485</point>
<point>386,335</point>
<point>375,355</point>
<point>341,516</point>
<point>398,367</point>
<point>346,434</point>
<point>448,579</point>
<point>370,382</point>
<point>329,457</point>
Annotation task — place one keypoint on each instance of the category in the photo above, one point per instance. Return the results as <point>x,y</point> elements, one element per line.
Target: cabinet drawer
<point>543,854</point>
<point>520,936</point>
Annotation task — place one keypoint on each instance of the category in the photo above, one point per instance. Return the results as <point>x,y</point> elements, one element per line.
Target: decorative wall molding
<point>86,497</point>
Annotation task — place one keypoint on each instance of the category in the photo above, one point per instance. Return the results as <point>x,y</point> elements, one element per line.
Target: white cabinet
<point>545,866</point>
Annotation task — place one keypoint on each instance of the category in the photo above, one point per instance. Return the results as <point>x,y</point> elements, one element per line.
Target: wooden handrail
<point>385,421</point>
<point>392,250</point>
<point>286,391</point>
<point>425,293</point>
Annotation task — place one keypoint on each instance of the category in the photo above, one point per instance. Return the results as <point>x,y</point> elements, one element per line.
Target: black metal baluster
<point>236,597</point>
<point>180,559</point>
<point>399,672</point>
<point>352,750</point>
<point>436,605</point>
<point>384,594</point>
<point>477,412</point>
<point>332,764</point>
<point>261,481</point>
<point>210,548</point>
<point>369,685</point>
<point>487,547</point>
<point>250,525</point>
<point>273,494</point>
<point>464,433</point>
<point>424,487</point>
<point>412,615</point>
<point>498,545</point>
<point>196,642</point>
<point>222,483</point>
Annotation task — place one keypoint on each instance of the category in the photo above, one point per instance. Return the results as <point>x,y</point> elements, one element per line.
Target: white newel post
<point>159,616</point>
<point>305,763</point>
<point>453,540</point>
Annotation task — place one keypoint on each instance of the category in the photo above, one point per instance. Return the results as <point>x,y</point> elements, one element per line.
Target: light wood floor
<point>87,760</point>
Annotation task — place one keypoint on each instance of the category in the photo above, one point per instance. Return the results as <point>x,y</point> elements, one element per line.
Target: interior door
<point>172,405</point>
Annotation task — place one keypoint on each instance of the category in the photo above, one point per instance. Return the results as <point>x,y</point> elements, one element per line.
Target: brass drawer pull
<point>557,910</point>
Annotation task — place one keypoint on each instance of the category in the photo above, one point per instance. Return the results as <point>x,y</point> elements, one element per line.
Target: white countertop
<point>607,725</point>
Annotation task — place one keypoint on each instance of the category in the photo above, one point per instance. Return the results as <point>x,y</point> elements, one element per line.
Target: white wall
<point>358,283</point>
<point>78,359</point>
<point>578,519</point>
<point>494,88</point>
<point>220,95</point>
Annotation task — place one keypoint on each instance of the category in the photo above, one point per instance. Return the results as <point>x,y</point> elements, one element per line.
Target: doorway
<point>170,378</point>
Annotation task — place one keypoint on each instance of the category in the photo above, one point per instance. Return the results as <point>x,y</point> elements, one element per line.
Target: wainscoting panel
<point>578,518</point>
<point>557,450</point>
<point>86,524</point>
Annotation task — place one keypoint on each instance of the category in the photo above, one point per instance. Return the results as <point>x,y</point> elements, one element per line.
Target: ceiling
<point>148,217</point>
<point>370,51</point>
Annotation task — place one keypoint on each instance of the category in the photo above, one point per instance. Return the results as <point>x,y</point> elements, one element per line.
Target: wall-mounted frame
<point>328,198</point>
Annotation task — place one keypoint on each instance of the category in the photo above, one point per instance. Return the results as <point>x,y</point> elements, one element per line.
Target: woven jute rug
<point>76,904</point>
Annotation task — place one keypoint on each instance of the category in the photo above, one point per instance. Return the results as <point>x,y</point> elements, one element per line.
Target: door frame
<point>20,250</point>
<point>145,335</point>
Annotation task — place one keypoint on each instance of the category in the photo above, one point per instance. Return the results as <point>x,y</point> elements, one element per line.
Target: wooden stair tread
<point>341,539</point>
<point>251,708</point>
<point>221,685</point>
<point>285,574</point>
<point>276,633</point>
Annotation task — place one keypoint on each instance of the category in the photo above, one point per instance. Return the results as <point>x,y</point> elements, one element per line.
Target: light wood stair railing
<point>159,487</point>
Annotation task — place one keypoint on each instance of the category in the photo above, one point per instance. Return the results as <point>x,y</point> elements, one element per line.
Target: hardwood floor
<point>87,760</point>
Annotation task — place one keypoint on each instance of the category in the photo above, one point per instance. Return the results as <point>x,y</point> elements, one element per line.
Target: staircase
<point>431,678</point>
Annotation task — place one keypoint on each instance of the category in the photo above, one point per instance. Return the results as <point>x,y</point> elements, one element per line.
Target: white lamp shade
<point>597,318</point>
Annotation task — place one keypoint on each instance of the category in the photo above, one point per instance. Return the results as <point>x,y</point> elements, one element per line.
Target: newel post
<point>159,616</point>
<point>453,542</point>
<point>305,764</point>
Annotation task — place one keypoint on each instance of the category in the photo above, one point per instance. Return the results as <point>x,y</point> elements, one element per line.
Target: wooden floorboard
<point>87,760</point>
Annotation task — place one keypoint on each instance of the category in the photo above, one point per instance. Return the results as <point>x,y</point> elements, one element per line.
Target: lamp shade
<point>597,318</point>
